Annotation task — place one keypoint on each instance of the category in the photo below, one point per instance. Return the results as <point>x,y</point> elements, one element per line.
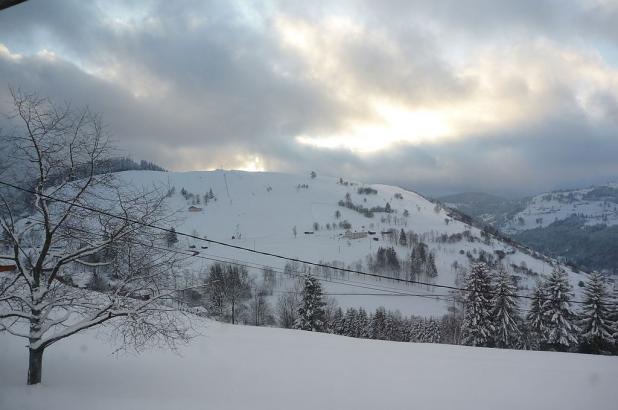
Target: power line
<point>297,274</point>
<point>292,273</point>
<point>242,248</point>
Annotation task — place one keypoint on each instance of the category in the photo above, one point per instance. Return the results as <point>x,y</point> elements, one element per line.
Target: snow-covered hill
<point>596,205</point>
<point>241,367</point>
<point>579,225</point>
<point>264,210</point>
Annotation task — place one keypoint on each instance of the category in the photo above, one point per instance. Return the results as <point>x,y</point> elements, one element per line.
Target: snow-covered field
<point>240,367</point>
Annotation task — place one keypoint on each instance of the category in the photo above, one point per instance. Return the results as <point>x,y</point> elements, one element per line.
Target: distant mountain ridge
<point>578,225</point>
<point>486,208</point>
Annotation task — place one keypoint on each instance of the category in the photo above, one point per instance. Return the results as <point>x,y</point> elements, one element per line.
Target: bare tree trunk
<point>35,361</point>
<point>35,366</point>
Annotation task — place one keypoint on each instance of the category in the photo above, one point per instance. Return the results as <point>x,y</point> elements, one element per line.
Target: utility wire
<point>242,248</point>
<point>292,273</point>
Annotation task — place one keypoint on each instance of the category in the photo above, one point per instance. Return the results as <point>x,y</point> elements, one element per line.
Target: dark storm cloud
<point>195,84</point>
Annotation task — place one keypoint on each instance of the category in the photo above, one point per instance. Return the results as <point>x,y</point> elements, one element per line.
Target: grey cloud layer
<point>199,85</point>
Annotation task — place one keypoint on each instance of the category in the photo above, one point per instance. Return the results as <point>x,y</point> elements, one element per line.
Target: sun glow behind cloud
<point>504,88</point>
<point>251,164</point>
<point>393,124</point>
<point>390,120</point>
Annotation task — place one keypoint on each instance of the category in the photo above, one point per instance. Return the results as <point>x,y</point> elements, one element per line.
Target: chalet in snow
<point>195,209</point>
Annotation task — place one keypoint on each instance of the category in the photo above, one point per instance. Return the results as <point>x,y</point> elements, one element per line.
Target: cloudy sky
<point>510,97</point>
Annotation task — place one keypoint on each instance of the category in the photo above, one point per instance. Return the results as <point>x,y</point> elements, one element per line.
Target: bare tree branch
<point>60,245</point>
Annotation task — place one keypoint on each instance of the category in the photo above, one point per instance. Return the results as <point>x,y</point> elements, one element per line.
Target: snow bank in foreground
<point>238,367</point>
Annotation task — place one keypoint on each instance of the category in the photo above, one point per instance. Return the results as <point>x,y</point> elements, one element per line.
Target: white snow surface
<point>242,367</point>
<point>264,207</point>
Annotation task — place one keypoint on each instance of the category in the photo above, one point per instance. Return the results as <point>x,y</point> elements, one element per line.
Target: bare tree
<point>238,289</point>
<point>287,306</point>
<point>80,222</point>
<point>227,288</point>
<point>260,311</point>
<point>269,280</point>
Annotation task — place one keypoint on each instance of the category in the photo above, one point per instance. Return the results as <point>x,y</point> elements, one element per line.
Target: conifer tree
<point>390,327</point>
<point>477,326</point>
<point>614,314</point>
<point>311,315</point>
<point>349,322</point>
<point>413,330</point>
<point>561,330</point>
<point>362,329</point>
<point>596,324</point>
<point>432,331</point>
<point>403,241</point>
<point>430,267</point>
<point>418,259</point>
<point>535,320</point>
<point>378,323</point>
<point>504,312</point>
<point>337,325</point>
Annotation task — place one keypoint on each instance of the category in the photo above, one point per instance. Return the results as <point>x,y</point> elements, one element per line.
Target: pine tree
<point>390,327</point>
<point>504,312</point>
<point>535,320</point>
<point>561,331</point>
<point>349,322</point>
<point>362,327</point>
<point>415,330</point>
<point>311,315</point>
<point>432,331</point>
<point>477,327</point>
<point>430,267</point>
<point>614,314</point>
<point>378,324</point>
<point>403,241</point>
<point>338,322</point>
<point>596,324</point>
<point>418,259</point>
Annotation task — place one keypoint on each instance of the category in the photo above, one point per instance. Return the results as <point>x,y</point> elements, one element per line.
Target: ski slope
<point>241,367</point>
<point>260,211</point>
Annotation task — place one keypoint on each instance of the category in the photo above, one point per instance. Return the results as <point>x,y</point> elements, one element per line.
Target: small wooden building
<point>7,268</point>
